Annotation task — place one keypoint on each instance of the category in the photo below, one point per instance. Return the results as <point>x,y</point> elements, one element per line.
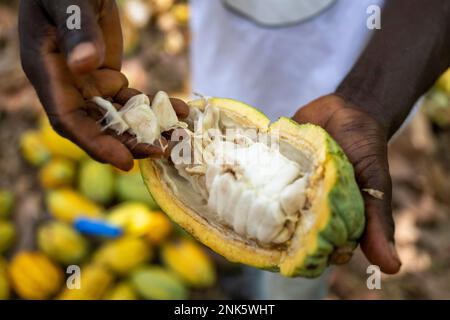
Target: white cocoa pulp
<point>256,191</point>
<point>143,121</point>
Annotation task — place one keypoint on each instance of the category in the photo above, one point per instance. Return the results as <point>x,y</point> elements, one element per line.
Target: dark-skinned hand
<point>364,141</point>
<point>68,67</point>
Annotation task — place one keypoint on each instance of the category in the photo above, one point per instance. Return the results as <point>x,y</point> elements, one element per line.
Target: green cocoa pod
<point>33,148</point>
<point>7,235</point>
<point>62,243</point>
<point>96,181</point>
<point>131,187</point>
<point>6,203</point>
<point>156,283</point>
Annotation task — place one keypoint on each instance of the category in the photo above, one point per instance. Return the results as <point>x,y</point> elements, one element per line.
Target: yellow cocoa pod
<point>188,260</point>
<point>132,217</point>
<point>33,148</point>
<point>67,205</point>
<point>34,276</point>
<point>96,181</point>
<point>124,254</point>
<point>6,203</point>
<point>7,235</point>
<point>59,146</point>
<point>94,282</point>
<point>121,291</point>
<point>159,228</point>
<point>137,219</point>
<point>57,173</point>
<point>62,243</point>
<point>4,282</point>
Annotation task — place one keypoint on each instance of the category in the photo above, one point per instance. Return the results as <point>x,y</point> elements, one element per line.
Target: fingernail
<point>82,52</point>
<point>394,253</point>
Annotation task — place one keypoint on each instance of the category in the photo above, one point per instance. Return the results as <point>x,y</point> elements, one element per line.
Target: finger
<point>180,107</point>
<point>310,113</point>
<point>86,132</point>
<point>140,150</point>
<point>143,150</point>
<point>102,83</point>
<point>125,94</point>
<point>82,44</point>
<point>173,138</point>
<point>377,243</point>
<point>37,38</point>
<point>368,153</point>
<point>112,34</point>
<point>378,239</point>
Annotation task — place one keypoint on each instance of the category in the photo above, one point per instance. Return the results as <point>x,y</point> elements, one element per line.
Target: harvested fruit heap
<point>292,205</point>
<point>102,220</point>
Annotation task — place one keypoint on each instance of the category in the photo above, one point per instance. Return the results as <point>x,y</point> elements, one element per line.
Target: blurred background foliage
<point>59,208</point>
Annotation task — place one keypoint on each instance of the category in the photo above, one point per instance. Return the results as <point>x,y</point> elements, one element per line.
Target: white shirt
<point>277,69</point>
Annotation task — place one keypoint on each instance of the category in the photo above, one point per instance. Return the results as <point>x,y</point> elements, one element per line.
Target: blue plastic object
<point>97,227</point>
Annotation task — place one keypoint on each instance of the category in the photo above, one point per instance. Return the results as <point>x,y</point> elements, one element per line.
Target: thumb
<point>78,32</point>
<point>378,240</point>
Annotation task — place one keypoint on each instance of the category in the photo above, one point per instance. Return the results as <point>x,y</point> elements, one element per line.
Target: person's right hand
<point>68,67</point>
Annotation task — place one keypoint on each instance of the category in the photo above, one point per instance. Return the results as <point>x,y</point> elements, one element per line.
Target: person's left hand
<point>68,67</point>
<point>364,141</point>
